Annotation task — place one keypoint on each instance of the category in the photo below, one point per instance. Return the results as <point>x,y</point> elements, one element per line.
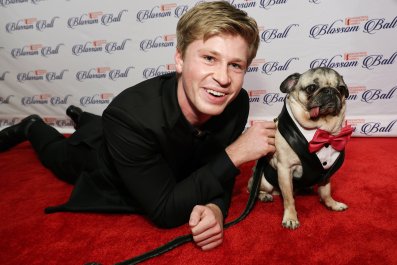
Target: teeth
<point>215,93</point>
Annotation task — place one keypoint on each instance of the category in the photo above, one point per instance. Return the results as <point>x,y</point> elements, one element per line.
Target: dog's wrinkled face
<point>320,92</point>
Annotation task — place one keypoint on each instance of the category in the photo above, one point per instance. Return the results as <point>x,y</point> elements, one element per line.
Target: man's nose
<point>221,75</point>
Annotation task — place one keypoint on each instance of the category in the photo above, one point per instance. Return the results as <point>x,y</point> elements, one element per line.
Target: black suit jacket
<point>152,161</point>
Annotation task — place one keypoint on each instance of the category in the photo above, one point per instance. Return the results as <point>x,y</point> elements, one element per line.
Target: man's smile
<point>215,93</point>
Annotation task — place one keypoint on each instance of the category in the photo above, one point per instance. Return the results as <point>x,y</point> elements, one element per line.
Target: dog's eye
<point>311,88</point>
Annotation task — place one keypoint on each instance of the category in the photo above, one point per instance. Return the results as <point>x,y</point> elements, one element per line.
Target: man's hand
<point>206,224</point>
<point>256,142</point>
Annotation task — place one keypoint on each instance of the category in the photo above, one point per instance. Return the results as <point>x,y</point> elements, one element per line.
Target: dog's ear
<point>344,90</point>
<point>287,85</point>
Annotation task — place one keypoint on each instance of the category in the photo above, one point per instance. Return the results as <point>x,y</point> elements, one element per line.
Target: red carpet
<point>364,234</point>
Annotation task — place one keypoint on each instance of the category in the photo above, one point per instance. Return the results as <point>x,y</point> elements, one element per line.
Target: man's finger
<point>271,141</point>
<point>212,245</point>
<point>206,240</point>
<point>195,216</point>
<point>206,233</point>
<point>203,226</point>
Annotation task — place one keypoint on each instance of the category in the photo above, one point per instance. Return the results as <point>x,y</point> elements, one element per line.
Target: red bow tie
<point>322,138</point>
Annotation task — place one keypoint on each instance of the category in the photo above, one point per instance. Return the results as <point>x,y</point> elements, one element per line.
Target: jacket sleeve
<point>149,179</point>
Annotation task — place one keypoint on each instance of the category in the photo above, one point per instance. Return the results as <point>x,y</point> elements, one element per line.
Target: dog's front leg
<point>324,192</point>
<point>290,218</point>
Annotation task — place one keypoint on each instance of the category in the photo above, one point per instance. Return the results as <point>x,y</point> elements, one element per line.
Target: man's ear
<point>178,61</point>
<point>288,84</point>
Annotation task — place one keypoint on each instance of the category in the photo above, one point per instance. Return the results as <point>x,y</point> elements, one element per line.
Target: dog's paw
<point>338,206</point>
<point>291,224</point>
<point>290,219</point>
<point>265,197</point>
<point>335,205</point>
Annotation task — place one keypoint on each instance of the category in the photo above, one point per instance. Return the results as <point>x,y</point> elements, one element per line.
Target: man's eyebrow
<point>205,50</point>
<point>218,54</point>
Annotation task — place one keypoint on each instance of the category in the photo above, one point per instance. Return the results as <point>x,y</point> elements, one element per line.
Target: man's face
<point>211,75</point>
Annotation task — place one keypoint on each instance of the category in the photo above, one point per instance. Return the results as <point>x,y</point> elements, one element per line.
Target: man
<point>169,147</point>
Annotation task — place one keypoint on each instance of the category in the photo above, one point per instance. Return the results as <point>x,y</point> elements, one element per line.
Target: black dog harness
<point>313,171</point>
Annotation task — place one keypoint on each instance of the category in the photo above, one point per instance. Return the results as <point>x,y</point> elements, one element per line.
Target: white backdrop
<point>54,53</point>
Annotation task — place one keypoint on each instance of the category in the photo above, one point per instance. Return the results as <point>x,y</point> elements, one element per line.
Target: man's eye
<point>237,66</point>
<point>209,58</point>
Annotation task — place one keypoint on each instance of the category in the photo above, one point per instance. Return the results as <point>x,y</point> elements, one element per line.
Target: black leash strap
<point>188,238</point>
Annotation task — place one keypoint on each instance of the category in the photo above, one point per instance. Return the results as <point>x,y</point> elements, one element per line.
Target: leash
<point>178,241</point>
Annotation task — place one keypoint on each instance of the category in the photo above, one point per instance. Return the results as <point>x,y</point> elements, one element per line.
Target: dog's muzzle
<point>328,101</point>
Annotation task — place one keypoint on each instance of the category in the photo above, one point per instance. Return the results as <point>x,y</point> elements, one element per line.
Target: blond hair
<point>209,19</point>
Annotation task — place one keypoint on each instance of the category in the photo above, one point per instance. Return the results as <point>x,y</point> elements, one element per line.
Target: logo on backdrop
<point>269,35</point>
<point>8,122</point>
<point>30,24</point>
<point>3,75</point>
<point>99,46</point>
<point>95,18</point>
<point>354,91</point>
<point>53,76</point>
<point>374,25</point>
<point>339,26</point>
<point>42,99</point>
<point>267,98</point>
<point>64,123</point>
<point>371,128</point>
<point>158,42</point>
<point>162,11</point>
<point>45,99</point>
<point>271,67</point>
<point>35,50</point>
<point>6,100</point>
<point>243,3</point>
<point>339,61</point>
<point>96,99</point>
<point>370,95</point>
<point>372,61</point>
<point>58,100</point>
<point>159,70</point>
<point>103,73</point>
<point>40,75</point>
<point>255,66</point>
<point>58,122</point>
<point>267,4</point>
<point>46,51</point>
<point>180,10</point>
<point>373,95</point>
<point>5,3</point>
<point>255,95</point>
<point>272,98</point>
<point>36,2</point>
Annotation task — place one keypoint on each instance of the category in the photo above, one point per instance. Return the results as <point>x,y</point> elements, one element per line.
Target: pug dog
<point>315,106</point>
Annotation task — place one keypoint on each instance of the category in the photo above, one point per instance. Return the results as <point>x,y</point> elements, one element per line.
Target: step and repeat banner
<point>55,53</point>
